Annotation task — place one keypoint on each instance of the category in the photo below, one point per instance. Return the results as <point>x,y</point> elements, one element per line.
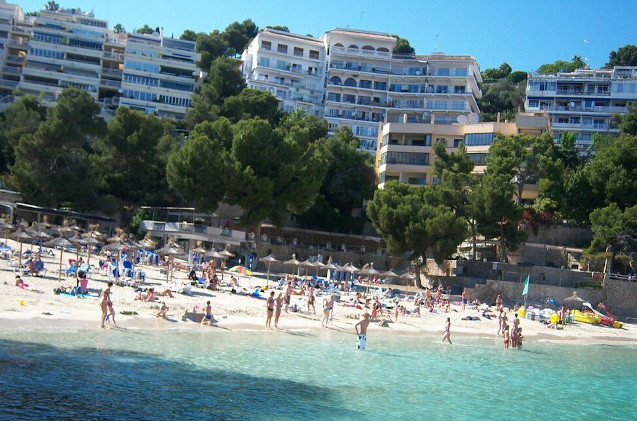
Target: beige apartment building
<point>405,150</point>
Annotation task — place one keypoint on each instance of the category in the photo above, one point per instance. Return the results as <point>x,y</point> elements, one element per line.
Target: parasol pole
<point>20,256</point>
<point>60,270</point>
<point>268,279</point>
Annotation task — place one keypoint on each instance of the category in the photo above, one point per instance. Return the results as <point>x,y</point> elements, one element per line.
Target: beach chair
<point>128,269</point>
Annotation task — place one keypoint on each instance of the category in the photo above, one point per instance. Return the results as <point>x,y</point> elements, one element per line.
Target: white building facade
<point>291,67</point>
<point>582,102</point>
<point>360,83</point>
<point>54,50</point>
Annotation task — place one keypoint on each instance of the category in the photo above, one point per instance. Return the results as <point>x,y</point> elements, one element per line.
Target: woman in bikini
<point>106,304</point>
<point>279,304</point>
<point>270,306</point>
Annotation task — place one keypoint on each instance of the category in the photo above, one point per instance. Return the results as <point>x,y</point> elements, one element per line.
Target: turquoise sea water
<point>217,375</point>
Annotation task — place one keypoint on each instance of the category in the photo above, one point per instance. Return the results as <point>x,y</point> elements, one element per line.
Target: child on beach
<point>162,310</point>
<point>207,318</point>
<point>506,337</point>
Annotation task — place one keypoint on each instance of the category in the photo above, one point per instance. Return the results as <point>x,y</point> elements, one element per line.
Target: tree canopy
<point>402,46</point>
<point>562,66</point>
<point>624,56</point>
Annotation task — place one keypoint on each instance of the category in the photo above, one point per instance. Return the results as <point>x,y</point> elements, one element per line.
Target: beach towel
<point>87,295</point>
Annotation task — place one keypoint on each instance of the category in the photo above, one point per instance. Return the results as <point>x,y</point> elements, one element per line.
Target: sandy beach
<point>38,307</point>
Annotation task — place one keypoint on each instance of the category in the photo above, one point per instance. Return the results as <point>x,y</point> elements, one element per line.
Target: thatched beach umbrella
<point>574,301</point>
<point>89,242</point>
<point>269,259</point>
<point>330,266</point>
<point>369,271</point>
<point>292,262</point>
<point>171,250</point>
<point>388,274</point>
<point>227,252</point>
<point>117,246</point>
<point>21,236</point>
<point>215,254</point>
<point>62,243</point>
<point>307,264</point>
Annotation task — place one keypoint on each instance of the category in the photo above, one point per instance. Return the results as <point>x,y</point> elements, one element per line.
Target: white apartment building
<point>15,30</point>
<point>405,151</point>
<point>46,53</point>
<point>582,102</point>
<point>291,67</point>
<point>159,74</point>
<point>365,84</point>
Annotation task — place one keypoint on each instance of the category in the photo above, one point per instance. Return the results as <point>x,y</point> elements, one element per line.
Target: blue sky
<point>524,34</point>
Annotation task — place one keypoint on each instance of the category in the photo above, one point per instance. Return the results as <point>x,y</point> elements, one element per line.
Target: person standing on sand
<point>506,337</point>
<point>106,304</point>
<point>207,318</point>
<point>361,331</point>
<point>277,312</point>
<point>310,298</point>
<point>269,304</point>
<point>288,296</point>
<point>498,303</point>
<point>514,331</point>
<point>501,317</point>
<point>465,298</point>
<point>446,335</point>
<point>327,309</point>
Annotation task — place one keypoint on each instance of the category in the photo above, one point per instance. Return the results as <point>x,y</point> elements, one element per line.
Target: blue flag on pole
<point>526,286</point>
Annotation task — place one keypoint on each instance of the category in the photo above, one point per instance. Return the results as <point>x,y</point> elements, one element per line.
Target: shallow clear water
<point>213,374</point>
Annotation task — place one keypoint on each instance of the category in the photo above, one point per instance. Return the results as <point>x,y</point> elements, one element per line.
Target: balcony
<point>114,56</point>
<point>112,73</point>
<point>594,109</point>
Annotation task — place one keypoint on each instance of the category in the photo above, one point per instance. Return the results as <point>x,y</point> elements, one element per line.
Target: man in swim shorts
<point>207,318</point>
<point>361,331</point>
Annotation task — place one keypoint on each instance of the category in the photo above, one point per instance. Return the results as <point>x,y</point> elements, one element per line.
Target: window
<point>147,67</point>
<point>408,158</point>
<point>281,65</point>
<point>380,85</point>
<point>458,89</point>
<point>141,80</point>
<point>298,51</point>
<point>457,142</point>
<point>479,139</point>
<point>282,48</point>
<point>334,97</point>
<point>478,158</point>
<point>425,141</point>
<point>349,98</point>
<point>264,62</point>
<point>314,54</point>
<point>367,84</point>
<point>266,45</point>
